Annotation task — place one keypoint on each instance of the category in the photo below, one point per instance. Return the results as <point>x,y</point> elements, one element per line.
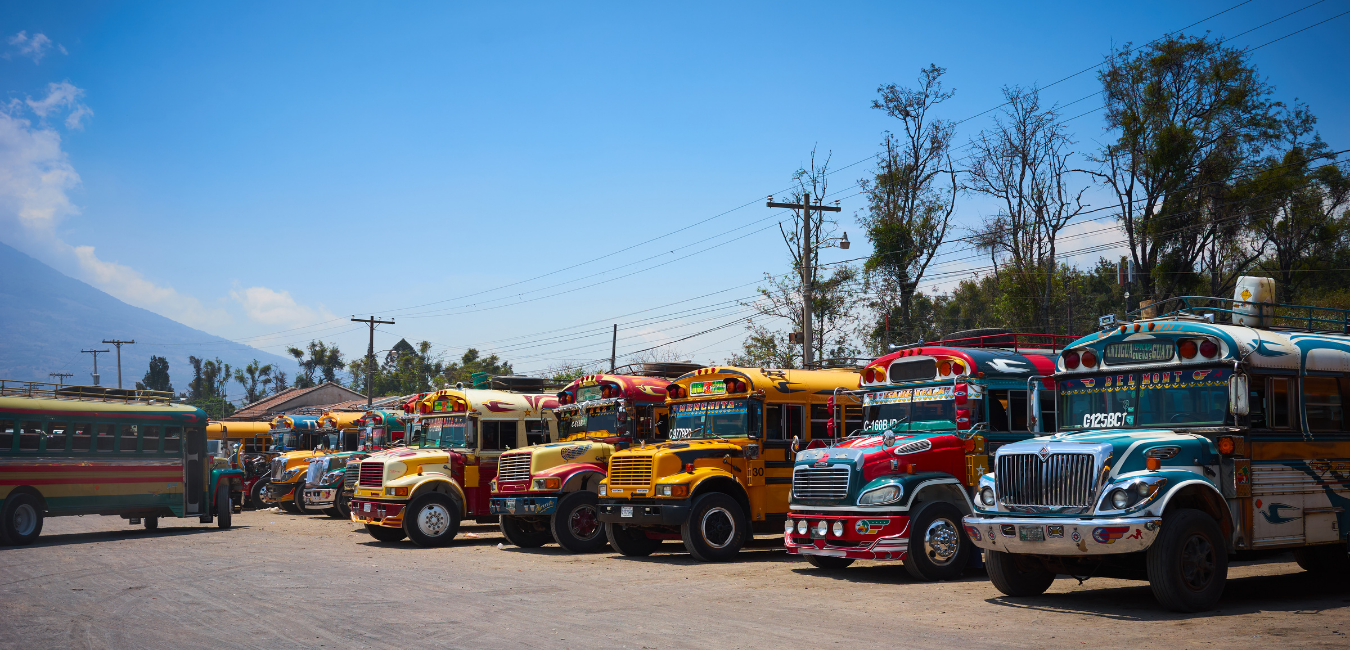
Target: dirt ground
<point>280,581</point>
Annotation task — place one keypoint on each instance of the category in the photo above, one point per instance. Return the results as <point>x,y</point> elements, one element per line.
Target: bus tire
<point>21,520</point>
<point>632,542</point>
<point>224,509</point>
<point>524,532</point>
<point>575,524</point>
<point>152,523</point>
<point>1013,580</point>
<point>1188,562</point>
<point>385,534</point>
<point>255,501</point>
<point>828,562</point>
<point>938,547</point>
<point>431,519</point>
<point>298,500</point>
<point>342,504</point>
<point>1330,560</point>
<point>716,529</point>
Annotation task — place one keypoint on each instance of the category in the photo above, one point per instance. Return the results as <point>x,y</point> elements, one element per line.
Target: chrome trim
<point>1040,476</point>
<point>827,482</point>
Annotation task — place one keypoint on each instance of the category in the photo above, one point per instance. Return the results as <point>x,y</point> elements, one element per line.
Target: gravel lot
<point>280,581</point>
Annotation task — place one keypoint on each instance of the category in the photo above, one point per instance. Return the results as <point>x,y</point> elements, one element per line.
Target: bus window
<point>127,442</point>
<point>82,438</point>
<point>820,417</point>
<point>104,440</point>
<point>1017,408</point>
<point>853,420</point>
<point>773,422</point>
<point>794,416</point>
<point>643,421</point>
<point>1280,396</point>
<point>1256,416</point>
<point>998,410</point>
<point>1322,404</point>
<point>173,439</point>
<point>535,432</point>
<point>30,436</point>
<point>498,433</point>
<point>56,438</point>
<point>6,435</point>
<point>130,437</point>
<point>1048,423</point>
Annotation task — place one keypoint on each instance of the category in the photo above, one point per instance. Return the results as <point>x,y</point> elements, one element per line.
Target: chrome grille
<point>630,470</point>
<point>1060,480</point>
<point>349,478</point>
<point>278,468</point>
<point>372,474</point>
<point>514,467</point>
<point>317,468</point>
<point>828,482</point>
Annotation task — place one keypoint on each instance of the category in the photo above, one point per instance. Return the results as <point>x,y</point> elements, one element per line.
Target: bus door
<point>194,471</point>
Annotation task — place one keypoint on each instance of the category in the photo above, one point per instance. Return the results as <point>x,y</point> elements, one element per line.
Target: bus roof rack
<point>523,383</point>
<point>839,362</point>
<point>47,390</point>
<point>999,339</point>
<point>1282,316</point>
<point>666,369</point>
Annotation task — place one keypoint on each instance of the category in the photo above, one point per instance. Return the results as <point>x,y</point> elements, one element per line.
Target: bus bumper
<point>378,513</point>
<point>865,537</point>
<point>320,497</point>
<point>522,506</point>
<point>645,513</point>
<point>277,492</point>
<point>1062,536</point>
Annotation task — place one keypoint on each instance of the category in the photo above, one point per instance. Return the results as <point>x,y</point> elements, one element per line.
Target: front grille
<point>630,470</point>
<point>372,474</point>
<point>278,468</point>
<point>514,467</point>
<point>349,478</point>
<point>317,468</point>
<point>1061,480</point>
<point>828,482</point>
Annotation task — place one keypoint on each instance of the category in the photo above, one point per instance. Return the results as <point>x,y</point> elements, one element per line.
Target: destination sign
<point>715,387</point>
<point>587,393</point>
<point>1124,353</point>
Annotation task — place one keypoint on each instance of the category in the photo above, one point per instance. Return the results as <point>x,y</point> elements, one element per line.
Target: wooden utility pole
<point>61,377</point>
<point>807,267</point>
<point>370,354</point>
<point>119,357</point>
<point>613,347</point>
<point>95,353</point>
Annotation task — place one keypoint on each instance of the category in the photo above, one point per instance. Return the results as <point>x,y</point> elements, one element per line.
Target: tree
<point>319,363</point>
<point>1023,163</point>
<point>209,381</point>
<point>472,361</point>
<point>157,377</point>
<point>279,384</point>
<point>254,378</point>
<point>1186,114</point>
<point>911,195</point>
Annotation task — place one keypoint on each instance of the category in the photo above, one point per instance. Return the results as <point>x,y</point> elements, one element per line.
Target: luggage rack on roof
<point>47,390</point>
<point>1000,340</point>
<point>1283,316</point>
<point>668,369</point>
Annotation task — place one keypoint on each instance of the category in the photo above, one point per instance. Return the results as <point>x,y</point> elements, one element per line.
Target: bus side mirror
<point>1238,395</point>
<point>796,445</point>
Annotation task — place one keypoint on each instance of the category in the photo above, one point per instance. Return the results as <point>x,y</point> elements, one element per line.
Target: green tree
<point>157,377</point>
<point>319,363</point>
<point>472,361</point>
<point>255,378</point>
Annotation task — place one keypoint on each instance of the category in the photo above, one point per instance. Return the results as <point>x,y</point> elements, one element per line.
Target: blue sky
<point>262,171</point>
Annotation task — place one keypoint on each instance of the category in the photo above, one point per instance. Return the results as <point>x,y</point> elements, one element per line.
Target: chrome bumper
<point>1062,536</point>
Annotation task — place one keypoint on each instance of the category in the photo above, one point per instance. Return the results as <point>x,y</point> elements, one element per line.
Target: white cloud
<point>272,307</point>
<point>130,286</point>
<point>60,96</point>
<point>34,47</point>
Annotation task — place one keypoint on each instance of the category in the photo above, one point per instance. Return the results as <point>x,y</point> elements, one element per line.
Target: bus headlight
<point>604,489</point>
<point>987,497</point>
<point>1120,499</point>
<point>672,490</point>
<point>801,526</point>
<point>822,528</point>
<point>787,526</point>
<point>838,529</point>
<point>882,495</point>
<point>290,473</point>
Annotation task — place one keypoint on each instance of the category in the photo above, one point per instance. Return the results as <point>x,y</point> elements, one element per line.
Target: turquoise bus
<point>89,450</point>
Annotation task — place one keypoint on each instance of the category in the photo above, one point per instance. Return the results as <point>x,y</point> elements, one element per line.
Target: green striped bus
<point>89,450</point>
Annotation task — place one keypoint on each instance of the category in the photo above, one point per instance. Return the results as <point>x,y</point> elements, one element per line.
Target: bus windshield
<point>283,441</point>
<point>593,420</point>
<point>909,409</point>
<point>445,433</point>
<point>372,437</point>
<point>1145,399</point>
<point>710,419</point>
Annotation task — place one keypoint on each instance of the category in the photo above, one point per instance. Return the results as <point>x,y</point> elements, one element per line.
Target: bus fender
<point>444,485</point>
<point>576,476</point>
<point>718,480</point>
<point>31,491</point>
<point>1201,495</point>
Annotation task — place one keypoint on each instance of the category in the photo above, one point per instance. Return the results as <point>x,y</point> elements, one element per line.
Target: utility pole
<point>61,377</point>
<point>95,353</point>
<point>370,354</point>
<point>808,266</point>
<point>613,347</point>
<point>119,357</point>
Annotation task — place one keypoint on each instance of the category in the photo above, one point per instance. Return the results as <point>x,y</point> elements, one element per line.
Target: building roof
<point>327,394</point>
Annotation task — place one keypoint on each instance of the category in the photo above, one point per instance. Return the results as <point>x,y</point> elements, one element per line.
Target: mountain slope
<point>47,317</point>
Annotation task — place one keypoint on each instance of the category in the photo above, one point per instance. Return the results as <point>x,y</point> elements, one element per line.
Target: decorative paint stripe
<point>99,414</point>
<point>81,480</point>
<point>1299,450</point>
<point>93,468</point>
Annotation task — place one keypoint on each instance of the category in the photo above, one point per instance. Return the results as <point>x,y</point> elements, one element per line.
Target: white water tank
<point>1248,292</point>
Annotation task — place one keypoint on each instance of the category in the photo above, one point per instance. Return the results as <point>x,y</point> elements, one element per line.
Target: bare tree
<point>1024,163</point>
<point>912,193</point>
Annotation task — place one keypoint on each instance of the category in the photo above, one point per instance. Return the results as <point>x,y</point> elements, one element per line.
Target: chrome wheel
<point>584,523</point>
<point>25,519</point>
<point>433,520</point>
<point>941,541</point>
<point>718,527</point>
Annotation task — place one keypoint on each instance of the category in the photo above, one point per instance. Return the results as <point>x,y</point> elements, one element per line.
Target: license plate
<point>510,503</point>
<point>625,511</point>
<point>1031,533</point>
<point>367,507</point>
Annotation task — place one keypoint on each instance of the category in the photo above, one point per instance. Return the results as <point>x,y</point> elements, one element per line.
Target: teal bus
<point>89,450</point>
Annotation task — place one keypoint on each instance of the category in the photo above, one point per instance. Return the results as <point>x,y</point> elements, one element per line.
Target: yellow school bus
<point>725,473</point>
<point>253,437</point>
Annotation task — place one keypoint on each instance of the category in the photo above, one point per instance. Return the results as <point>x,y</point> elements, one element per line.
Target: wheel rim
<point>433,520</point>
<point>25,519</point>
<point>583,522</point>
<point>941,542</point>
<point>718,527</point>
<point>1198,562</point>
